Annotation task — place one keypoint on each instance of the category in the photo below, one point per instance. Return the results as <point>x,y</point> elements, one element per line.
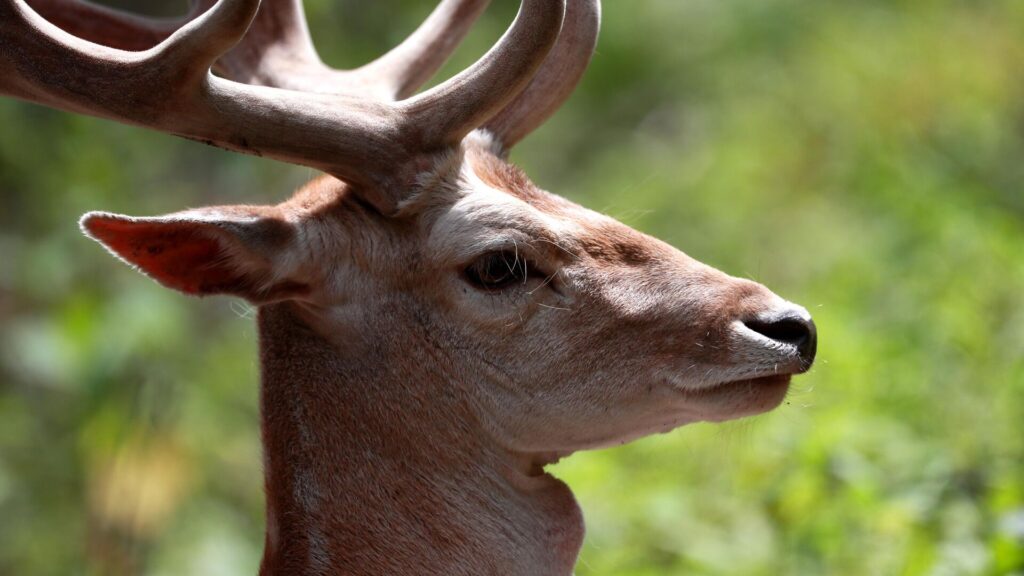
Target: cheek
<point>503,315</point>
<point>563,361</point>
<point>607,408</point>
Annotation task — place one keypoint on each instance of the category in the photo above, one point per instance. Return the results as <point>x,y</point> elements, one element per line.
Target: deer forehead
<point>496,208</point>
<point>485,219</point>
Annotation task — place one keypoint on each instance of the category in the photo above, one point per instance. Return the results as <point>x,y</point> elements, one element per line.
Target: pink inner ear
<point>175,253</point>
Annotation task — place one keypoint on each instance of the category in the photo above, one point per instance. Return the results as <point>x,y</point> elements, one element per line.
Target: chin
<point>742,398</point>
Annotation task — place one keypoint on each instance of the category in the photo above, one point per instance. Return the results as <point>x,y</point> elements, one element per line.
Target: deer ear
<point>237,250</point>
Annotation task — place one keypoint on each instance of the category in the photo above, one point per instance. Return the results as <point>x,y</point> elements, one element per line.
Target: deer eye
<point>497,270</point>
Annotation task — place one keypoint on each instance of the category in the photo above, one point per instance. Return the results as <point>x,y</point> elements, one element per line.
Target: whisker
<point>544,283</point>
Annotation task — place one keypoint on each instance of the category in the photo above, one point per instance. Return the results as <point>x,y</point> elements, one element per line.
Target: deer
<point>434,328</point>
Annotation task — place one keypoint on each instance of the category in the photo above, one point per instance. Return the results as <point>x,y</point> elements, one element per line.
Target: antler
<point>108,26</point>
<point>556,79</point>
<point>169,88</point>
<point>277,51</point>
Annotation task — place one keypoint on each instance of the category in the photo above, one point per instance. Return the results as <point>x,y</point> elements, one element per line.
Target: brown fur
<point>404,474</point>
<point>407,415</point>
<point>510,178</point>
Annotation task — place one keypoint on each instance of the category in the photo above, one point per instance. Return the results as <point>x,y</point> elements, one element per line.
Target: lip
<point>738,398</point>
<point>773,381</point>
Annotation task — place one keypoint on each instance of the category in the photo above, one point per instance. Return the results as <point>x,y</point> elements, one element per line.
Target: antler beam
<point>169,87</point>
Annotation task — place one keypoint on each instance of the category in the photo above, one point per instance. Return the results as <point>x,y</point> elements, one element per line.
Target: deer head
<point>564,328</point>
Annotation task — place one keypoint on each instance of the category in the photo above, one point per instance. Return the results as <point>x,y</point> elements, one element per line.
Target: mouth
<point>754,384</point>
<point>738,398</point>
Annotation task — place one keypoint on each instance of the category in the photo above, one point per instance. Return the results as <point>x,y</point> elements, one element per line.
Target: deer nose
<point>793,328</point>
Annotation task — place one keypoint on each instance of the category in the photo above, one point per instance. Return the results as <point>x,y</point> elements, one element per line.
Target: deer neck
<point>376,464</point>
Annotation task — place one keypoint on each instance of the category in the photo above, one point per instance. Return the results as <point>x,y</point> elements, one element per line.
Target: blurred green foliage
<point>864,158</point>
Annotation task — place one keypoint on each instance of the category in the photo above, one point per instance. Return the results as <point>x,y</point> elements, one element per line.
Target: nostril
<point>789,330</point>
<point>795,331</point>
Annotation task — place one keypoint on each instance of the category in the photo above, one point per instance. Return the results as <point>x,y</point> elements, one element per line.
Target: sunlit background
<point>862,157</point>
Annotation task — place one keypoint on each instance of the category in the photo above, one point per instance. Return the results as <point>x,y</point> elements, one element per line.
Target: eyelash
<point>499,270</point>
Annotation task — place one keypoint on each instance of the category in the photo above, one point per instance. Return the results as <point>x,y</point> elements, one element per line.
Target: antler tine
<point>279,52</point>
<point>409,65</point>
<point>107,26</point>
<point>557,77</point>
<point>195,47</point>
<point>444,114</point>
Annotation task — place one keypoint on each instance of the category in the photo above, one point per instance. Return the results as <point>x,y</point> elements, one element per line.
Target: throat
<point>378,465</point>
